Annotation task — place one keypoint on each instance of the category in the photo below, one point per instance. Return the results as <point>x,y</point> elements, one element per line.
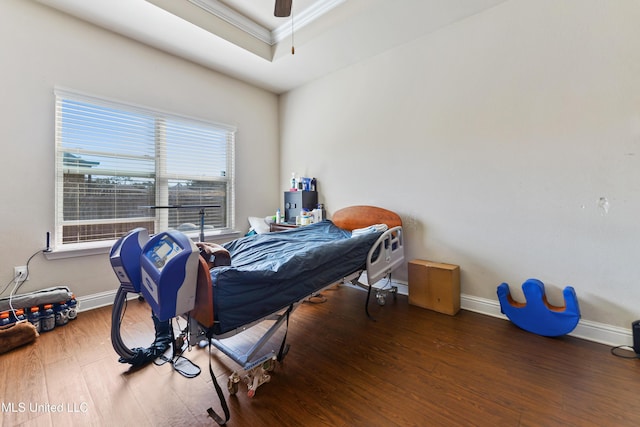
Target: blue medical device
<point>537,315</point>
<point>169,264</point>
<point>125,258</point>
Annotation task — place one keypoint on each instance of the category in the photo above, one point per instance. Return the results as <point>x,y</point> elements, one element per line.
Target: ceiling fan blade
<point>283,8</point>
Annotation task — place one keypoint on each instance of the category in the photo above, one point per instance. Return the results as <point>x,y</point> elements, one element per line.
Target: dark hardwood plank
<point>408,367</point>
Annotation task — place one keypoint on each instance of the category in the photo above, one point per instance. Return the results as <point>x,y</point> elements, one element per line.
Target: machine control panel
<point>169,264</point>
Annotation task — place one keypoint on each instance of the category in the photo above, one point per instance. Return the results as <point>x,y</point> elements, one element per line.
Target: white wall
<point>495,138</point>
<point>42,49</point>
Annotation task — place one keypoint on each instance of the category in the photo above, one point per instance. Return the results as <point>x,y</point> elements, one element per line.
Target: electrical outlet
<point>20,274</point>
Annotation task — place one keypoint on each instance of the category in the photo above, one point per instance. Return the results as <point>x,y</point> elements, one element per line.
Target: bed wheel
<point>381,296</point>
<point>232,383</point>
<point>269,365</point>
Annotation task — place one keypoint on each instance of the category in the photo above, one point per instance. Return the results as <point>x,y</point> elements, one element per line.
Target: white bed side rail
<point>386,254</point>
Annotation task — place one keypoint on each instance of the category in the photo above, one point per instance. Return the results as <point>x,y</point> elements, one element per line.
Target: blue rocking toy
<point>537,315</point>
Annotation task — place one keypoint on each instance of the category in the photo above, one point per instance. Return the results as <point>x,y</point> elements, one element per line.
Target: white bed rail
<point>386,254</point>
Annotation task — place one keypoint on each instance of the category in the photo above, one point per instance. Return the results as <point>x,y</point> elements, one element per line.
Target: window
<point>115,161</point>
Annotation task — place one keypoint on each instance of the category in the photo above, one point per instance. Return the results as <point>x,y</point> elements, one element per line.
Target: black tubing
<point>119,304</point>
<point>137,356</point>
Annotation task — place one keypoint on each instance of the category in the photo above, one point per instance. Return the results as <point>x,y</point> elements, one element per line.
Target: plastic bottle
<point>5,318</point>
<point>305,217</point>
<point>73,307</point>
<point>316,215</point>
<point>61,314</point>
<point>34,317</point>
<point>20,315</point>
<point>293,182</point>
<point>323,212</point>
<point>278,217</point>
<point>48,318</point>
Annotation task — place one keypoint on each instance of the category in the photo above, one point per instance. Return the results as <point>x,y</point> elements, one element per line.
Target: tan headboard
<point>203,309</point>
<point>353,217</point>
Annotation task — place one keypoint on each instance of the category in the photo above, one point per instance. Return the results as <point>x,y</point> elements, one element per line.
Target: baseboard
<point>586,329</point>
<point>98,300</point>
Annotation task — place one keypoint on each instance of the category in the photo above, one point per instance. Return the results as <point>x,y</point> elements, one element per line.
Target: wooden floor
<point>410,367</point>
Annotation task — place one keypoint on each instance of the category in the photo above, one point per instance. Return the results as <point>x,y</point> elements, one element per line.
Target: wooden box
<point>435,286</point>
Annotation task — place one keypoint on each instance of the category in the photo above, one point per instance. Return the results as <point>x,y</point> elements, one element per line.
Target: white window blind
<point>114,161</point>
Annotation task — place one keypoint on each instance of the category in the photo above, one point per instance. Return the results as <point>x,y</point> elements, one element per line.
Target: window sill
<point>99,248</point>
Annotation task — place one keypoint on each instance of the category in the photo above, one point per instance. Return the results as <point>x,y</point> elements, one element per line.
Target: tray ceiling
<point>243,39</point>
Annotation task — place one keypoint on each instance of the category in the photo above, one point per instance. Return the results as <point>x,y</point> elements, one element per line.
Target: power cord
<point>615,352</point>
<point>18,283</point>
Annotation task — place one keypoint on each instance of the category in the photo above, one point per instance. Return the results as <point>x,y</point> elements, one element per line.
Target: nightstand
<point>282,226</point>
<point>295,201</point>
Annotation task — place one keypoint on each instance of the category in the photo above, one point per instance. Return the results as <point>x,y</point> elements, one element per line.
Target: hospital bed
<point>243,308</point>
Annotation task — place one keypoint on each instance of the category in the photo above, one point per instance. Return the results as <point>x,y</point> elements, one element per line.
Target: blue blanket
<point>270,271</point>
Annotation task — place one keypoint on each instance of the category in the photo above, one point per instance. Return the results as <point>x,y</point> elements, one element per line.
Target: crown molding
<point>303,19</point>
<point>236,19</point>
<point>217,8</point>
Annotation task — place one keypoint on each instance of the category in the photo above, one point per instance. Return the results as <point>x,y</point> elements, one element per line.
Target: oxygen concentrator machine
<point>125,258</point>
<point>169,274</point>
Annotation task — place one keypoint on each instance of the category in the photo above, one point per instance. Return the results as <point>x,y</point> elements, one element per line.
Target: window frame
<point>157,215</point>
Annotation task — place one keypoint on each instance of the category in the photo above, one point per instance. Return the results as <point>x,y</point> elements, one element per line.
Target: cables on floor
<point>616,352</point>
<point>164,339</point>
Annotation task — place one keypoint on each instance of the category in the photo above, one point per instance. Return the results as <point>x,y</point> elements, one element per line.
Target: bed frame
<point>257,355</point>
<point>389,245</point>
<point>387,253</point>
